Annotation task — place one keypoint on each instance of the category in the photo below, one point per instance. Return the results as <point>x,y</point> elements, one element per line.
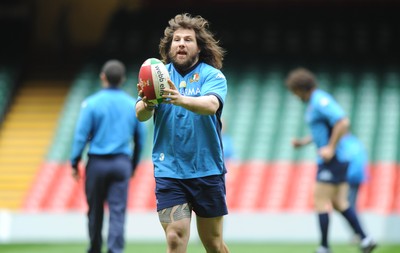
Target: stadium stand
<point>7,79</point>
<point>83,85</point>
<point>353,59</point>
<point>265,178</point>
<point>25,135</point>
<point>57,191</point>
<point>54,188</point>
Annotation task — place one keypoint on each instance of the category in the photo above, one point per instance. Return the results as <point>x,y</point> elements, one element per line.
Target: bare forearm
<point>297,143</point>
<point>207,105</point>
<point>307,140</point>
<point>340,129</point>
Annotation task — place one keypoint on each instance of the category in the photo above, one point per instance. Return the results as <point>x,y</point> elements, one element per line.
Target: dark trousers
<point>107,181</point>
<point>353,193</point>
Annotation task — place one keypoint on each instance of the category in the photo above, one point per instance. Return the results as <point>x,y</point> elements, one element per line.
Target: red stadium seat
<point>39,191</point>
<point>275,187</point>
<point>380,188</point>
<point>253,186</point>
<point>246,187</point>
<point>141,195</point>
<point>300,193</point>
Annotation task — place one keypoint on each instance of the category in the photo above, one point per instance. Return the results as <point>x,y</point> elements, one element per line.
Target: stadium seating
<point>7,80</point>
<point>25,135</point>
<point>262,116</point>
<point>268,175</point>
<point>345,51</point>
<point>84,84</point>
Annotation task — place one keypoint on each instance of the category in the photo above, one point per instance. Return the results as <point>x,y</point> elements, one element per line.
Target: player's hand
<point>75,174</point>
<point>147,104</point>
<point>326,153</point>
<point>172,95</point>
<point>297,143</point>
<point>300,142</point>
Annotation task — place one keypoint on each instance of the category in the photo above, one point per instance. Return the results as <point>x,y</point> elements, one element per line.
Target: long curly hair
<point>210,50</point>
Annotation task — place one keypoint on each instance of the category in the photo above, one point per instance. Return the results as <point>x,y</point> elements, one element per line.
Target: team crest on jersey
<point>195,78</point>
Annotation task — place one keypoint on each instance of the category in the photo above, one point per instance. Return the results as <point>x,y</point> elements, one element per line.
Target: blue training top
<point>108,121</point>
<point>322,113</point>
<point>186,144</point>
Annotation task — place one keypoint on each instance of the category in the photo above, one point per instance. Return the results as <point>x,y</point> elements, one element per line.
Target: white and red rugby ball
<point>154,76</point>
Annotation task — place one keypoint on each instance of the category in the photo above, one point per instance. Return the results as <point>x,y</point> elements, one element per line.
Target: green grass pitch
<point>193,248</point>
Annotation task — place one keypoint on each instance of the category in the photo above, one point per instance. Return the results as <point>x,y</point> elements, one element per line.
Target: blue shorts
<point>334,171</point>
<point>206,195</point>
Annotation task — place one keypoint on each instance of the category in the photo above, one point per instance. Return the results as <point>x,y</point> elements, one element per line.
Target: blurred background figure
<point>357,170</point>
<point>356,174</point>
<point>108,123</point>
<point>336,146</point>
<point>228,144</point>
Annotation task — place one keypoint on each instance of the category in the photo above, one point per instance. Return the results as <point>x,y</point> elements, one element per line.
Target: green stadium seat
<point>364,120</point>
<point>388,128</point>
<point>7,75</point>
<point>343,91</point>
<point>324,80</point>
<point>241,126</point>
<point>85,83</point>
<point>291,120</point>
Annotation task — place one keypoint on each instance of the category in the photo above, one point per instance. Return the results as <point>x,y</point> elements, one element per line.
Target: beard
<point>183,65</point>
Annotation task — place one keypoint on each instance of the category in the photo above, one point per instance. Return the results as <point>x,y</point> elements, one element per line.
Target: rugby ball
<point>154,76</point>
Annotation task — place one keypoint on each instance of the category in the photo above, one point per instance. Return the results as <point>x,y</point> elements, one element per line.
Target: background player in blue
<point>356,174</point>
<point>228,144</point>
<point>107,122</point>
<point>187,154</point>
<point>337,148</point>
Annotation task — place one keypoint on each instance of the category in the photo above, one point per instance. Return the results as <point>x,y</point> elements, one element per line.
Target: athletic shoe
<point>322,249</point>
<point>367,245</point>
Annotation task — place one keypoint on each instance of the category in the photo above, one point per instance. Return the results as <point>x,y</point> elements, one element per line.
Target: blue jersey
<point>229,151</point>
<point>186,144</point>
<point>322,113</point>
<point>357,170</point>
<point>108,122</point>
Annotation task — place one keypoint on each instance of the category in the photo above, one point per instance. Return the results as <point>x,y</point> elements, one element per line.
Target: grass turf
<point>193,248</point>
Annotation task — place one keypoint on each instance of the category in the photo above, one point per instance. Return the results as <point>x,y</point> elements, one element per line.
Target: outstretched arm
<point>297,143</point>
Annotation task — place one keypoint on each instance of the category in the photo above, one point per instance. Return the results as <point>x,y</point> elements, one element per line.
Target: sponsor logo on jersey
<point>188,91</point>
<point>220,76</point>
<point>325,175</point>
<point>192,91</point>
<point>182,84</point>
<point>324,102</point>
